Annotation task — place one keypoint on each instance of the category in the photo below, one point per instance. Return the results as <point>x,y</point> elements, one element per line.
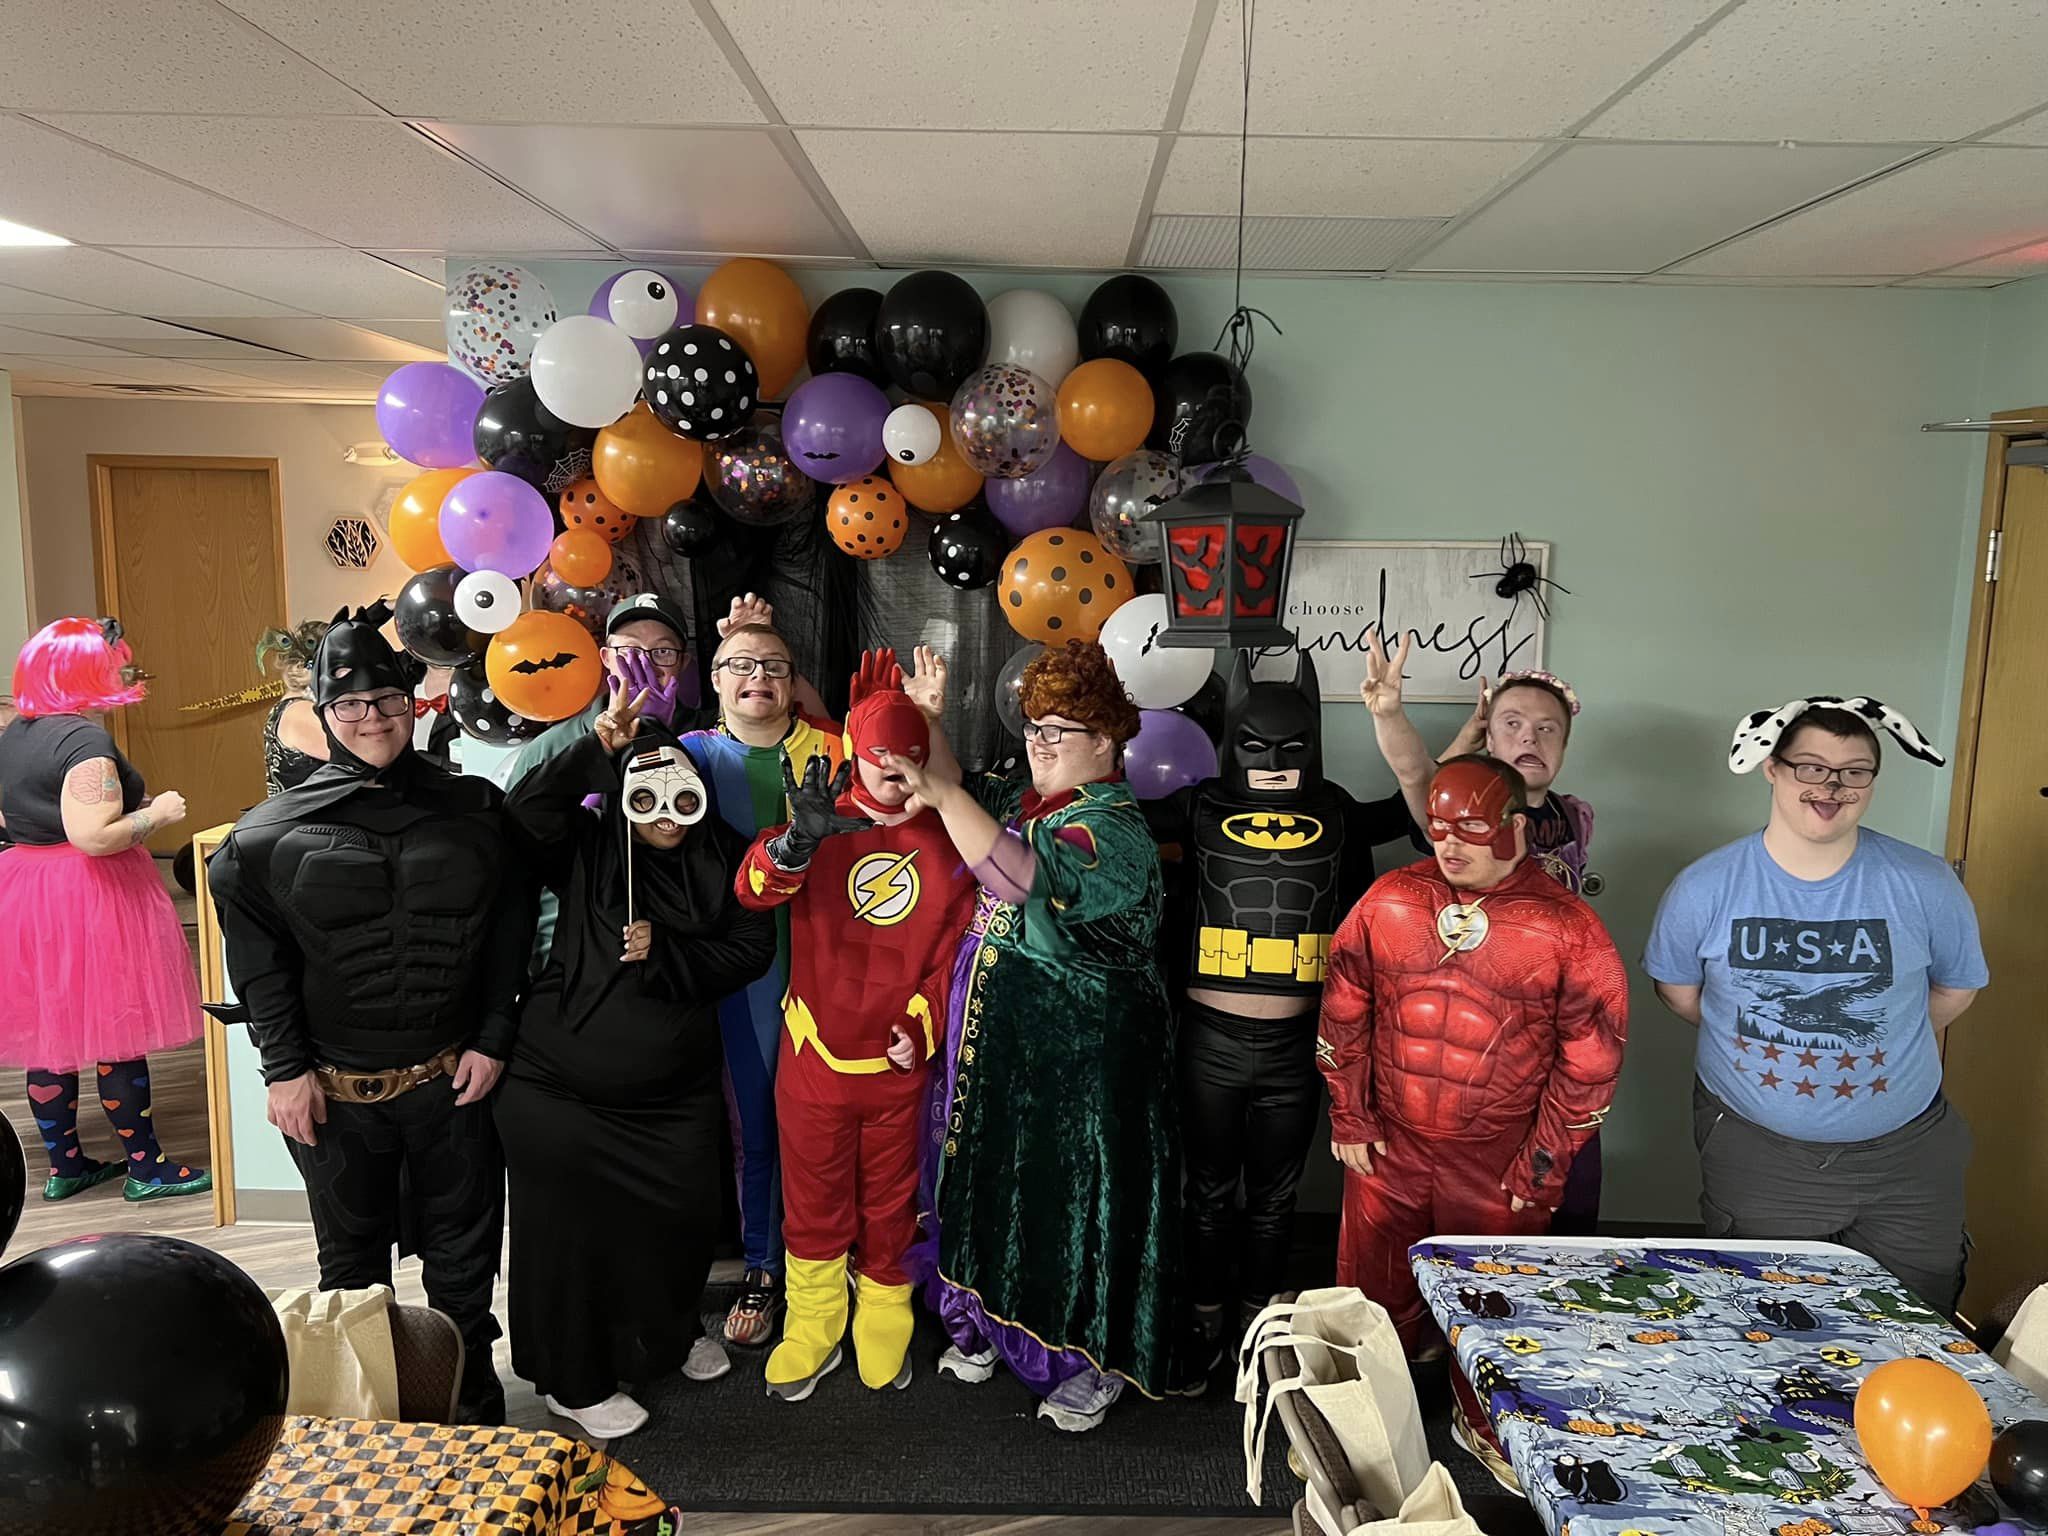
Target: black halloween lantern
<point>1229,548</point>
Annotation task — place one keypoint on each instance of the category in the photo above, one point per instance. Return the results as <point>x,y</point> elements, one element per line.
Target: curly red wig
<point>70,666</point>
<point>1080,683</point>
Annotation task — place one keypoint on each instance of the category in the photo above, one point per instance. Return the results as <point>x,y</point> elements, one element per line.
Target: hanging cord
<point>1239,330</point>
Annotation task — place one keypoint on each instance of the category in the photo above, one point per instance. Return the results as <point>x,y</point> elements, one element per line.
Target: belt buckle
<point>369,1089</point>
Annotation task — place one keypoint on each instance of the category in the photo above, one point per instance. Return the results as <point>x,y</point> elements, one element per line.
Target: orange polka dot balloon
<point>1060,584</point>
<point>585,506</point>
<point>868,518</point>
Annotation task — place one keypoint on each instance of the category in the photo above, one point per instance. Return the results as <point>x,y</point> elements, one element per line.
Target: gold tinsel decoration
<point>262,692</point>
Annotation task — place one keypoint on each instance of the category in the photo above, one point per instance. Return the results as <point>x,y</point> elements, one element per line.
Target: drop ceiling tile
<point>1638,207</point>
<point>696,189</point>
<point>48,370</point>
<point>1054,64</point>
<point>19,301</point>
<point>157,370</point>
<point>1348,178</point>
<point>144,337</point>
<point>2028,130</point>
<point>36,344</point>
<point>1902,70</point>
<point>156,56</point>
<point>314,376</point>
<point>1688,280</point>
<point>71,189</point>
<point>346,285</point>
<point>1952,282</point>
<point>114,282</point>
<point>522,61</point>
<point>322,340</point>
<point>430,334</point>
<point>1067,200</point>
<point>1949,208</point>
<point>1420,276</point>
<point>1425,68</point>
<point>358,181</point>
<point>428,264</point>
<point>2027,261</point>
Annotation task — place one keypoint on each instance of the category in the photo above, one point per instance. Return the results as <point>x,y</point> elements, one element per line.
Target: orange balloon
<point>642,467</point>
<point>1105,409</point>
<point>1060,584</point>
<point>583,505</point>
<point>759,306</point>
<point>543,665</point>
<point>1924,1430</point>
<point>867,519</point>
<point>581,557</point>
<point>945,482</point>
<point>416,518</point>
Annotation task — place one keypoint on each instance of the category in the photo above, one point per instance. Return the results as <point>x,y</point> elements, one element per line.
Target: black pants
<point>450,1154</point>
<point>1249,1093</point>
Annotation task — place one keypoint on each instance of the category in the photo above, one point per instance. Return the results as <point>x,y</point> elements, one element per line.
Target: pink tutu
<point>96,963</point>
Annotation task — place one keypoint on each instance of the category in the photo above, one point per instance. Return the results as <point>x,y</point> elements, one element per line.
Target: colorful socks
<point>53,1100</point>
<point>124,1095</point>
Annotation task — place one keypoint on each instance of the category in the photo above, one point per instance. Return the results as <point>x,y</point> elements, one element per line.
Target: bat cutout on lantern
<point>1518,576</point>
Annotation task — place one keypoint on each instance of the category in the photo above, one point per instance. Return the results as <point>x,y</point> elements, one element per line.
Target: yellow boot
<point>812,1326</point>
<point>882,1323</point>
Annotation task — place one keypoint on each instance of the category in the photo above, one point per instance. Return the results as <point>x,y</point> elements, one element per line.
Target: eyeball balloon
<point>643,304</point>
<point>911,434</point>
<point>487,601</point>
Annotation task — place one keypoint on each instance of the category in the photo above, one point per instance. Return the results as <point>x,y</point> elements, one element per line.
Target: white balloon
<point>1029,328</point>
<point>586,370</point>
<point>1155,676</point>
<point>643,304</point>
<point>487,601</point>
<point>911,435</point>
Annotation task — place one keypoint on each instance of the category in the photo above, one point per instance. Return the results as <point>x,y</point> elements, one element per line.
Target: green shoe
<point>55,1188</point>
<point>198,1184</point>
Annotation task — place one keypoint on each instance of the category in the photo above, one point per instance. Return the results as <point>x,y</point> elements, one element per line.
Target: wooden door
<point>191,561</point>
<point>1997,1053</point>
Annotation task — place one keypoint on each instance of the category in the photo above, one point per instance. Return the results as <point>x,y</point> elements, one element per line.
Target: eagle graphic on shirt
<point>1810,983</point>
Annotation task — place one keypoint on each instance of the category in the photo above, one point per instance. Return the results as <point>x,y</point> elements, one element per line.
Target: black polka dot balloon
<point>482,714</point>
<point>967,548</point>
<point>700,382</point>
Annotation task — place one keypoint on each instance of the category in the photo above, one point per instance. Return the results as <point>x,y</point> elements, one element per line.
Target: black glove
<point>813,813</point>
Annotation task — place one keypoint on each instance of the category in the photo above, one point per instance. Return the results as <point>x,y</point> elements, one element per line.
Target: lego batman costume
<point>376,929</point>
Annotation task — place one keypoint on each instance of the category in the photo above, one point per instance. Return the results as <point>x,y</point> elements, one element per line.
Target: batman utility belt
<point>803,1035</point>
<point>1236,955</point>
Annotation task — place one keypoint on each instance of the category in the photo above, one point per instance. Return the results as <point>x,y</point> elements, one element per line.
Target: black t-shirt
<point>35,755</point>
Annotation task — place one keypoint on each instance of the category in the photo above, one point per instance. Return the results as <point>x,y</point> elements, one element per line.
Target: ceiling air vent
<point>1274,244</point>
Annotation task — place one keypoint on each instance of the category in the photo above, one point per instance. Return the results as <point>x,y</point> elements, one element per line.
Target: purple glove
<point>593,803</point>
<point>638,674</point>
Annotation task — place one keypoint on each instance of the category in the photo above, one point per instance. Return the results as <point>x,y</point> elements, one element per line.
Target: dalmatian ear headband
<point>1757,735</point>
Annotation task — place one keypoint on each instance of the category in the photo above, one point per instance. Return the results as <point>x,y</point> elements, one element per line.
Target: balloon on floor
<point>13,1182</point>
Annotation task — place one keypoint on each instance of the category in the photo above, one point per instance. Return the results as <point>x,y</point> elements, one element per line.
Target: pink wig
<point>71,666</point>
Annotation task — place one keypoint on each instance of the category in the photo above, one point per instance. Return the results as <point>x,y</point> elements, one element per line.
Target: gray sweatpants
<point>1898,1197</point>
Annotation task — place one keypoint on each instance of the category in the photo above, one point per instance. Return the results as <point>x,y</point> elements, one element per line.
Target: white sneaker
<point>613,1419</point>
<point>708,1360</point>
<point>1081,1402</point>
<point>972,1369</point>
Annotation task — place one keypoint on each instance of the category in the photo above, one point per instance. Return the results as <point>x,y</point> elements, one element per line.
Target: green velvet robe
<point>1059,1194</point>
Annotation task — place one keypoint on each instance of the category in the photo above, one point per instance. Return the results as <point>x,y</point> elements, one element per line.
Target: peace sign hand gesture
<point>1381,689</point>
<point>620,722</point>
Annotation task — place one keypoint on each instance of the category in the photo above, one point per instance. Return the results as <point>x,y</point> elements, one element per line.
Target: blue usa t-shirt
<point>1813,1008</point>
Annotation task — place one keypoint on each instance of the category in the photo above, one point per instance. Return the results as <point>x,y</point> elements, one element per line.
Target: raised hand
<point>926,683</point>
<point>642,676</point>
<point>878,673</point>
<point>620,722</point>
<point>751,609</point>
<point>1381,689</point>
<point>813,812</point>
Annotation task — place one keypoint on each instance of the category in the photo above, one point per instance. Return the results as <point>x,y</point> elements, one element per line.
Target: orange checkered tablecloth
<point>329,1476</point>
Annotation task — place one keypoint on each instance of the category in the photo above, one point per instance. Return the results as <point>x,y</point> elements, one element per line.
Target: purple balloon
<point>1169,752</point>
<point>1255,467</point>
<point>1051,496</point>
<point>832,427</point>
<point>427,411</point>
<point>646,307</point>
<point>497,522</point>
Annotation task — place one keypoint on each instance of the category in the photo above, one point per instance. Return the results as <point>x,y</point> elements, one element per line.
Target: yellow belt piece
<point>1234,954</point>
<point>803,1032</point>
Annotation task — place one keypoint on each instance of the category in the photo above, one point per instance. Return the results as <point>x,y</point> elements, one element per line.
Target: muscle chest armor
<point>1267,889</point>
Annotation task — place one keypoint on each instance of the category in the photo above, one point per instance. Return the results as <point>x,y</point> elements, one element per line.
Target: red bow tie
<point>436,705</point>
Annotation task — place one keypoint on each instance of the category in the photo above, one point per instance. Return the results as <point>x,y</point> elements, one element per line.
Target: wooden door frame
<point>100,493</point>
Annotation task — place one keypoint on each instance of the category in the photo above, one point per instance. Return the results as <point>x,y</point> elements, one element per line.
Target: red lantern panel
<point>1261,572</point>
<point>1197,554</point>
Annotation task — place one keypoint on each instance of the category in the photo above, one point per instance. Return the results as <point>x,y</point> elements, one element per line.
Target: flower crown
<point>1537,675</point>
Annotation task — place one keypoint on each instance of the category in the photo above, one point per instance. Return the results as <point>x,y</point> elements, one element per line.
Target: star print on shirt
<point>1805,1088</point>
<point>1846,1062</point>
<point>1880,1085</point>
<point>1877,1058</point>
<point>1837,947</point>
<point>1809,1058</point>
<point>1770,1080</point>
<point>1783,946</point>
<point>1771,1053</point>
<point>1845,1090</point>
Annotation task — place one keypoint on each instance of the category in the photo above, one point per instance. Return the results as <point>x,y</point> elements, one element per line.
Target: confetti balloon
<point>487,601</point>
<point>1005,421</point>
<point>495,315</point>
<point>482,714</point>
<point>583,505</point>
<point>588,606</point>
<point>1061,585</point>
<point>867,519</point>
<point>750,479</point>
<point>644,304</point>
<point>700,382</point>
<point>911,434</point>
<point>966,549</point>
<point>543,665</point>
<point>1124,493</point>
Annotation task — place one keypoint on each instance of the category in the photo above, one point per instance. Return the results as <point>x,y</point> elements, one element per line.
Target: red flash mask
<point>1474,803</point>
<point>886,721</point>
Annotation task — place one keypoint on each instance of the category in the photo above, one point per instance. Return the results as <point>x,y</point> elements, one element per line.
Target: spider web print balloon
<point>495,314</point>
<point>700,382</point>
<point>1006,421</point>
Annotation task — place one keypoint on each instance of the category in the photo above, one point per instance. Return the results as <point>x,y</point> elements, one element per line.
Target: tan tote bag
<point>1433,1509</point>
<point>339,1345</point>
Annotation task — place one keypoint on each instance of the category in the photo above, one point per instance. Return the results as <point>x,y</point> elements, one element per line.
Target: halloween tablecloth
<point>381,1479</point>
<point>1672,1389</point>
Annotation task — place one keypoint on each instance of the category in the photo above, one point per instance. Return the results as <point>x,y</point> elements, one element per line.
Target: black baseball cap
<point>648,605</point>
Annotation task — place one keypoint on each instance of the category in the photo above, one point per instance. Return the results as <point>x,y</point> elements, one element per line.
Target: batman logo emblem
<point>1272,831</point>
<point>546,663</point>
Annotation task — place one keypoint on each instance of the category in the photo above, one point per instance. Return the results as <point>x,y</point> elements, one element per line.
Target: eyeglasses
<point>1822,773</point>
<point>660,655</point>
<point>389,705</point>
<point>747,666</point>
<point>1053,735</point>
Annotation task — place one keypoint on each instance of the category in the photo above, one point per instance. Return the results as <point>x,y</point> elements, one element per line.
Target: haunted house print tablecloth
<point>1656,1389</point>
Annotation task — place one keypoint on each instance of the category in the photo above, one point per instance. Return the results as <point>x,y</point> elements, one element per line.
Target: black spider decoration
<point>1517,575</point>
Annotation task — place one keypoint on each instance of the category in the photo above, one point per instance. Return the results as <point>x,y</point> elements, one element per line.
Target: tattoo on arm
<point>140,823</point>
<point>93,783</point>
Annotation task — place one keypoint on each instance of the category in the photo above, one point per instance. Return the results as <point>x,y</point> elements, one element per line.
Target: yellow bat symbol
<point>1272,831</point>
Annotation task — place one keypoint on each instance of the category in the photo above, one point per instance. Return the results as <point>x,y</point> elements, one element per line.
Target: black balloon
<point>13,1180</point>
<point>842,338</point>
<point>482,714</point>
<point>931,332</point>
<point>517,434</point>
<point>2019,1469</point>
<point>1131,319</point>
<point>700,382</point>
<point>1202,408</point>
<point>427,623</point>
<point>689,529</point>
<point>142,1386</point>
<point>1206,708</point>
<point>967,548</point>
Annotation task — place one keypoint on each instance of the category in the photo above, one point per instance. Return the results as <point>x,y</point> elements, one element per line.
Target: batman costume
<point>376,928</point>
<point>1272,855</point>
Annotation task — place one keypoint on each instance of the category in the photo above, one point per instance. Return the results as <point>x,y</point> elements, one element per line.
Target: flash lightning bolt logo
<point>1461,926</point>
<point>883,888</point>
